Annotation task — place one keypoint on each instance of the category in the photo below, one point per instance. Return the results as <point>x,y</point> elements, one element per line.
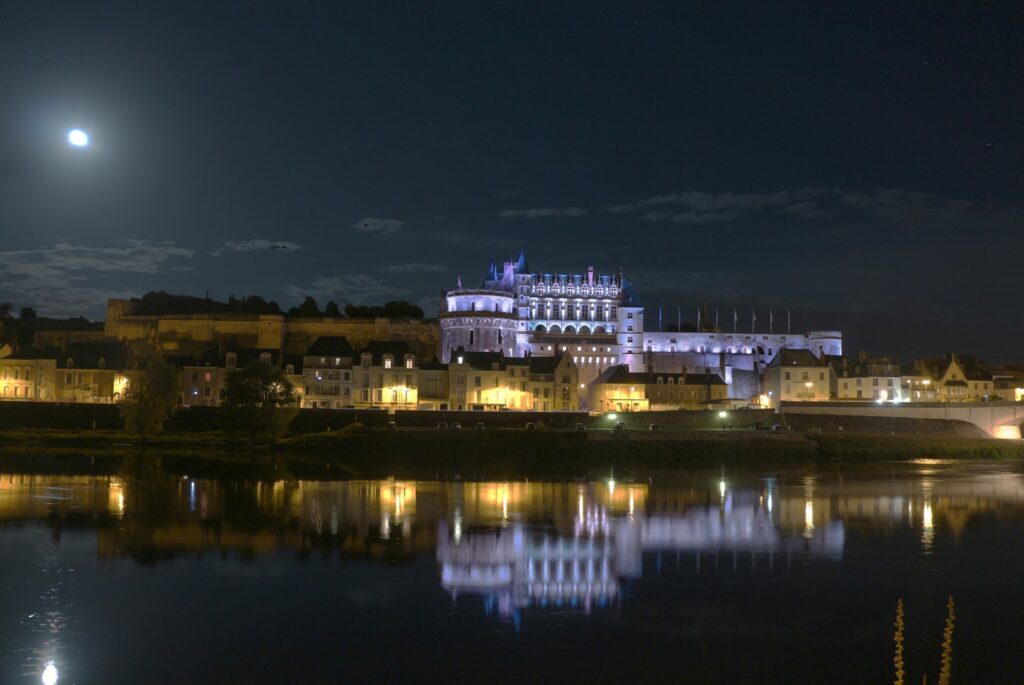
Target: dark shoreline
<point>489,453</point>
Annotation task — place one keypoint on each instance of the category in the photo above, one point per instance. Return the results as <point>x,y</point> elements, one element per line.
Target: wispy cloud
<point>256,245</point>
<point>543,213</point>
<point>348,288</point>
<point>64,277</point>
<point>696,207</point>
<point>415,267</point>
<point>383,228</point>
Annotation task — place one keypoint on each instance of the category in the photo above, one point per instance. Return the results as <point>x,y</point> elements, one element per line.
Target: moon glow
<point>78,137</point>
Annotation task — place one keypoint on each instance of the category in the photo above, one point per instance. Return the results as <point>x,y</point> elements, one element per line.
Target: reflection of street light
<point>612,416</point>
<point>723,414</point>
<point>50,674</point>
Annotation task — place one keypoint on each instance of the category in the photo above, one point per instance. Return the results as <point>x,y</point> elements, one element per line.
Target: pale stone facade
<point>598,320</point>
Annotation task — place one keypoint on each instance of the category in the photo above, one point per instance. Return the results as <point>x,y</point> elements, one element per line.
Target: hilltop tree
<point>259,400</point>
<point>308,308</point>
<point>27,314</point>
<point>152,394</point>
<point>332,309</point>
<point>391,310</point>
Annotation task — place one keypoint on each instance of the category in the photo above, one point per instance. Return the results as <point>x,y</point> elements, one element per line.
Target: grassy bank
<point>866,447</point>
<point>493,453</point>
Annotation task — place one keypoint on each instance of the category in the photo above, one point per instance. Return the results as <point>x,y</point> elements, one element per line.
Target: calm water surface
<point>690,577</point>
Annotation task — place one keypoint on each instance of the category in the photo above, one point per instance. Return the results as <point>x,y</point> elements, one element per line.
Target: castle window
<point>471,337</point>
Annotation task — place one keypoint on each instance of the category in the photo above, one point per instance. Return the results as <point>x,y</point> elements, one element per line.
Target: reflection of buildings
<point>515,543</point>
<point>519,567</point>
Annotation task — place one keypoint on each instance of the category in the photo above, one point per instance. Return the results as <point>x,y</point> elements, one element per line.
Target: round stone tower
<point>478,320</point>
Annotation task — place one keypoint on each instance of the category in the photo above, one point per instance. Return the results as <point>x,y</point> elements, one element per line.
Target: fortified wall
<point>197,333</point>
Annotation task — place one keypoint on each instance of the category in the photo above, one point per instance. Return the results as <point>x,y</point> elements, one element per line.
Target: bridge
<point>998,419</point>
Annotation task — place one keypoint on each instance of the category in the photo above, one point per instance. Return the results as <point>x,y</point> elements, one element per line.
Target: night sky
<point>857,163</point>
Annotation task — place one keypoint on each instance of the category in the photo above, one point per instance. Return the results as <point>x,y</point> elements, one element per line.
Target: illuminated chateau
<point>599,320</point>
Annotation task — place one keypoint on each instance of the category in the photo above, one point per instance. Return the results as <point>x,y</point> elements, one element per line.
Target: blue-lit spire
<point>521,267</point>
<point>492,271</point>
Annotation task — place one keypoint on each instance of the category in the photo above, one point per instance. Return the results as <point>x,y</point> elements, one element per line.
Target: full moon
<point>78,137</point>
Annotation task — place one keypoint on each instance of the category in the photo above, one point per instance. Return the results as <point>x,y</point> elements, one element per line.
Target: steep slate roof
<point>330,346</point>
<point>246,355</point>
<point>484,361</point>
<point>545,364</point>
<point>433,365</point>
<point>87,355</point>
<point>622,374</point>
<point>208,358</point>
<point>790,357</point>
<point>378,348</point>
<point>630,298</point>
<point>28,353</point>
<point>937,367</point>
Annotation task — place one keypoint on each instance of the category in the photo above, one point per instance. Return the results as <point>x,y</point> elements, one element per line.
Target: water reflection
<point>517,544</point>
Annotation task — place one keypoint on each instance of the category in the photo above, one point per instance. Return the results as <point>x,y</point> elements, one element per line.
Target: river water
<point>722,576</point>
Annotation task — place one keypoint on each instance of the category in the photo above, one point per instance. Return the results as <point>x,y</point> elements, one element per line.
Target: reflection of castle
<point>520,567</point>
<point>514,543</point>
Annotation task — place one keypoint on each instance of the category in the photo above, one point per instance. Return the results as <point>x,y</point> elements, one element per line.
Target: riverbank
<point>356,452</point>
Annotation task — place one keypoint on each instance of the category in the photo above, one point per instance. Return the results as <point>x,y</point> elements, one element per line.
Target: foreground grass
<point>500,453</point>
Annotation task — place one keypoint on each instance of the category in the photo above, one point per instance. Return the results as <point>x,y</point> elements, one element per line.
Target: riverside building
<point>598,319</point>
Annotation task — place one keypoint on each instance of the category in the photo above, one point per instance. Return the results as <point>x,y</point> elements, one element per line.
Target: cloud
<point>543,213</point>
<point>256,245</point>
<point>69,278</point>
<point>415,267</point>
<point>811,203</point>
<point>349,288</point>
<point>384,228</point>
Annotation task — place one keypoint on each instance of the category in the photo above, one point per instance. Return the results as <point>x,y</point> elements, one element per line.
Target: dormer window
<point>265,357</point>
<point>410,361</point>
<point>70,363</point>
<point>290,369</point>
<point>101,364</point>
<point>231,361</point>
<point>365,360</point>
<point>387,361</point>
<point>460,360</point>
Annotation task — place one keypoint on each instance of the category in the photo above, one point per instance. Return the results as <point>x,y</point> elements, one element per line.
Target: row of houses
<point>331,374</point>
<point>800,376</point>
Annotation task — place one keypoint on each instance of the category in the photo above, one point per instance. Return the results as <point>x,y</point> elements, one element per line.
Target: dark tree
<point>27,314</point>
<point>258,400</point>
<point>152,394</point>
<point>390,310</point>
<point>332,309</point>
<point>308,308</point>
<point>5,310</point>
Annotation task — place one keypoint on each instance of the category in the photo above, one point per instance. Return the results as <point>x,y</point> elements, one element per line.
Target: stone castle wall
<point>195,334</point>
